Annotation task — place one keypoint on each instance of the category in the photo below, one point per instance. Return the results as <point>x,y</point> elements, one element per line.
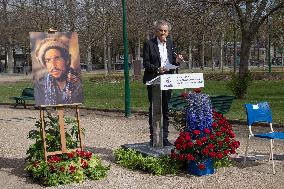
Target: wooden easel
<point>60,109</point>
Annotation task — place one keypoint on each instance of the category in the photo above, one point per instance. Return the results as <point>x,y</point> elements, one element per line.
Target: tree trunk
<point>109,63</point>
<point>245,52</point>
<point>202,59</point>
<point>189,56</point>
<point>235,50</point>
<point>221,52</point>
<point>105,55</point>
<point>282,54</point>
<point>10,59</point>
<point>89,57</point>
<point>212,57</point>
<point>138,53</point>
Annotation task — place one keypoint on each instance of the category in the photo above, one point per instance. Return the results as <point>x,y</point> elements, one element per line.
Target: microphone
<point>177,55</point>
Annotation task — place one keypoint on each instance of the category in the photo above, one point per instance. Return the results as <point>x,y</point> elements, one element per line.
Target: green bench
<point>27,94</point>
<point>220,103</point>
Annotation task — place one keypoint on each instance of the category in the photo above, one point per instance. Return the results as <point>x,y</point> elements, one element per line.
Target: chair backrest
<point>28,92</point>
<point>258,113</point>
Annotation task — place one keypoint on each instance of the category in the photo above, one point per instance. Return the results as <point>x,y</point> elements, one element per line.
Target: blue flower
<point>198,112</point>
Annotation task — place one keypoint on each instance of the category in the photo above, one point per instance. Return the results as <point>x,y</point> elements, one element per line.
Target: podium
<point>166,82</point>
<point>160,83</point>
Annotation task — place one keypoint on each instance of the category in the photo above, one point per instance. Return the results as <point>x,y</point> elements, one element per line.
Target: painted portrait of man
<point>56,68</point>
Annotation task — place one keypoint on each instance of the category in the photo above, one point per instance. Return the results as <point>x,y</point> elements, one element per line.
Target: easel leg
<point>43,133</point>
<point>79,128</point>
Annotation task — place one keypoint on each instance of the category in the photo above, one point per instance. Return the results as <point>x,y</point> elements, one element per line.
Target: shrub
<point>239,86</point>
<point>132,159</point>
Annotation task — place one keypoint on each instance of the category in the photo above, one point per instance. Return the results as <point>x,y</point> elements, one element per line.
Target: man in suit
<point>158,53</point>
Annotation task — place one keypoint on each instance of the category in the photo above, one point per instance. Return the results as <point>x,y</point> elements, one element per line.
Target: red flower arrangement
<point>216,143</point>
<point>74,166</point>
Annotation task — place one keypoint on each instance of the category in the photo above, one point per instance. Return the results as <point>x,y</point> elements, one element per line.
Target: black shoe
<point>167,143</point>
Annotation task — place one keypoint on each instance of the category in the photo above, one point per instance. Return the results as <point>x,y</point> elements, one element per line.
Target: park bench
<point>27,94</point>
<point>220,103</point>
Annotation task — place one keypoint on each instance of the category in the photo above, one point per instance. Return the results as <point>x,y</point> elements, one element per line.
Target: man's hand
<point>179,58</point>
<point>161,70</point>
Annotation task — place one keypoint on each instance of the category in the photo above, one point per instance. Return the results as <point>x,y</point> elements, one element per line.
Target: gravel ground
<point>105,132</point>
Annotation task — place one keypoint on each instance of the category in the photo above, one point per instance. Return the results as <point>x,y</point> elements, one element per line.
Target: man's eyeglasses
<point>165,31</point>
<point>55,59</point>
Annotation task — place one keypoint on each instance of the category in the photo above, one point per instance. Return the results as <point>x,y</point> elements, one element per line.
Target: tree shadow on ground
<point>15,166</point>
<point>255,159</point>
<point>104,153</point>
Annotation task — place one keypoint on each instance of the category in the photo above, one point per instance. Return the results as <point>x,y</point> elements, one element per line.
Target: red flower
<point>52,168</point>
<point>184,146</point>
<point>54,159</point>
<point>233,151</point>
<point>84,164</point>
<point>205,151</point>
<point>201,166</point>
<point>187,136</point>
<point>226,152</point>
<point>197,90</point>
<point>199,143</point>
<point>219,155</point>
<point>214,125</point>
<point>236,144</point>
<point>218,133</point>
<point>211,146</point>
<point>190,144</point>
<point>184,95</point>
<point>181,157</point>
<point>72,169</point>
<point>227,139</point>
<point>196,132</point>
<point>212,137</point>
<point>88,155</point>
<point>212,154</point>
<point>206,131</point>
<point>71,155</point>
<point>173,155</point>
<point>182,134</point>
<point>220,143</point>
<point>178,140</point>
<point>62,168</point>
<point>178,146</point>
<point>231,134</point>
<point>223,129</point>
<point>189,157</point>
<point>203,139</point>
<point>79,152</point>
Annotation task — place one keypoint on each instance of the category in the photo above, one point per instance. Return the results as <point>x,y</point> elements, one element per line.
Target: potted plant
<point>206,140</point>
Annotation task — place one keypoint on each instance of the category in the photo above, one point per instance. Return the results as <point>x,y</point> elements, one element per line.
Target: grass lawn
<point>110,95</point>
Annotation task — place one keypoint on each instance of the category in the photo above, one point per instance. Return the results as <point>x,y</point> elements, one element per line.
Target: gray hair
<point>159,23</point>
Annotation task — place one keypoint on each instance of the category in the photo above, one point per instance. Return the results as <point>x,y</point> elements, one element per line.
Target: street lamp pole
<point>126,68</point>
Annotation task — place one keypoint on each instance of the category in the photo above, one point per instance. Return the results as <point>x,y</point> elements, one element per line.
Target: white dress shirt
<point>163,53</point>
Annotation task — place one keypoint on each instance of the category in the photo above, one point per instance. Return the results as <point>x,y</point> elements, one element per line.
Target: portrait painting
<point>56,68</point>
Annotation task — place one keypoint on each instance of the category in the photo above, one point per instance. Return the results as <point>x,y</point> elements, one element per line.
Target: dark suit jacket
<point>152,60</point>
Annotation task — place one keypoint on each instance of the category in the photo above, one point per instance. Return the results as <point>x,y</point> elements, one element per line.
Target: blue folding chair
<point>261,113</point>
